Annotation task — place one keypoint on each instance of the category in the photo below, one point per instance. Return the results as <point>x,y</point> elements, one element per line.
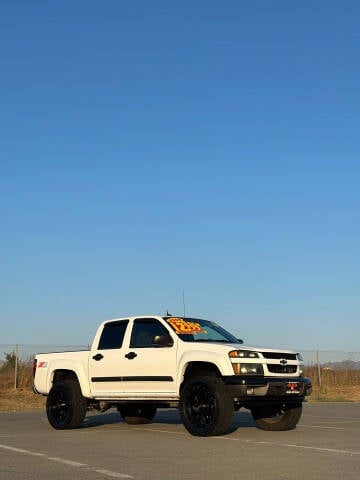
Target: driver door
<point>148,369</point>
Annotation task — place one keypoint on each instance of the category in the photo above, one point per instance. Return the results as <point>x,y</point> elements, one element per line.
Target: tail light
<point>34,367</point>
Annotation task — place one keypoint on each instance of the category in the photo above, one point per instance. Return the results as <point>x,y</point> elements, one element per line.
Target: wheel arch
<point>199,368</point>
<point>198,362</point>
<point>63,374</point>
<point>65,371</point>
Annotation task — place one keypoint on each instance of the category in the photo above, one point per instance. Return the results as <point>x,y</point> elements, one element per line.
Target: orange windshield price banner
<point>184,327</point>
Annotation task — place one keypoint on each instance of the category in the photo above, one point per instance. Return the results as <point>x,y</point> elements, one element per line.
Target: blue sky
<point>151,148</point>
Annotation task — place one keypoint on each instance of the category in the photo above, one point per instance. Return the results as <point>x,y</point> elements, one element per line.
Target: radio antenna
<point>183,299</point>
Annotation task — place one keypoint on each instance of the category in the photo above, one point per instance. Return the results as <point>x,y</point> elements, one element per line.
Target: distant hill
<point>345,365</point>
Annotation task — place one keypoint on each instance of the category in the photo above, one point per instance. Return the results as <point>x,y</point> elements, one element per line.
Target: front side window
<point>113,335</point>
<point>144,330</point>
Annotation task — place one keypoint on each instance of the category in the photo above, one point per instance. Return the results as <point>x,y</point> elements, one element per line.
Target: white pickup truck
<point>139,364</point>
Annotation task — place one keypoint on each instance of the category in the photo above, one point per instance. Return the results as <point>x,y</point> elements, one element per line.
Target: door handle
<point>98,357</point>
<point>131,355</point>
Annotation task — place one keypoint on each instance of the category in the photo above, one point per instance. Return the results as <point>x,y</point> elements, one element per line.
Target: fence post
<point>318,367</point>
<point>16,366</point>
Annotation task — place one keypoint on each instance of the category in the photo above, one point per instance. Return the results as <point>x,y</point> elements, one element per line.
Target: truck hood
<point>236,346</point>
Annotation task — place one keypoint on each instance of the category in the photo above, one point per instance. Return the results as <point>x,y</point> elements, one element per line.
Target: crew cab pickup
<point>139,364</point>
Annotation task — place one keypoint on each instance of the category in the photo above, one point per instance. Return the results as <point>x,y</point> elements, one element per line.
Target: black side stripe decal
<point>132,379</point>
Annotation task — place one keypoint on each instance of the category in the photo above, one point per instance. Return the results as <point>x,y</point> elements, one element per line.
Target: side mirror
<point>162,341</point>
<point>240,341</point>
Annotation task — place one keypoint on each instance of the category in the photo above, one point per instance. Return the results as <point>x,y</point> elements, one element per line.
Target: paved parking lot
<point>326,444</point>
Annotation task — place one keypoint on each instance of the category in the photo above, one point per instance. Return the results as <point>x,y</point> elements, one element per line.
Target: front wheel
<point>206,407</point>
<point>65,405</point>
<point>277,417</point>
<point>137,413</point>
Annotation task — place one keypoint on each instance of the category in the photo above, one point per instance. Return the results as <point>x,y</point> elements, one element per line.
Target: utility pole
<point>318,367</point>
<point>16,366</point>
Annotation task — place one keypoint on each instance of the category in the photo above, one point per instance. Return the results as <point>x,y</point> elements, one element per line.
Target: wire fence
<point>16,361</point>
<point>26,352</point>
<point>325,358</point>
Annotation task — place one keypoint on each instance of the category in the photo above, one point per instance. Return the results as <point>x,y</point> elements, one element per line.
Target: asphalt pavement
<point>325,445</point>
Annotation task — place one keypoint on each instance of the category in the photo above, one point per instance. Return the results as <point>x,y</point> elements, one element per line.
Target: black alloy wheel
<point>65,405</point>
<point>206,407</point>
<point>137,413</point>
<point>282,416</point>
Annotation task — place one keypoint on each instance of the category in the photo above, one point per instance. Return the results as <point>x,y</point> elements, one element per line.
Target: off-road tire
<point>279,417</point>
<point>137,413</point>
<point>206,407</point>
<point>65,405</point>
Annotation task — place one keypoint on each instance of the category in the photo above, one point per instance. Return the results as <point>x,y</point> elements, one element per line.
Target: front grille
<point>279,355</point>
<point>282,368</point>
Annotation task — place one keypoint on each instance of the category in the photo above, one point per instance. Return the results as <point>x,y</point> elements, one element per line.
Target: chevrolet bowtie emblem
<point>283,362</point>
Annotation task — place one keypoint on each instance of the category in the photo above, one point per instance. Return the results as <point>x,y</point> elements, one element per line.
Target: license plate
<point>292,387</point>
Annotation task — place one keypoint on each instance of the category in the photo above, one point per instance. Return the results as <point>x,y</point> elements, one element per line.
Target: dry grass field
<point>12,400</point>
<point>21,398</point>
<point>336,385</point>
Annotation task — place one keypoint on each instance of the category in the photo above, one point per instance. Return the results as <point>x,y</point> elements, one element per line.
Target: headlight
<point>248,368</point>
<point>299,357</point>
<point>243,354</point>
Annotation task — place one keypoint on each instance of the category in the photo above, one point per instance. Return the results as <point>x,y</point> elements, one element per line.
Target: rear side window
<point>113,335</point>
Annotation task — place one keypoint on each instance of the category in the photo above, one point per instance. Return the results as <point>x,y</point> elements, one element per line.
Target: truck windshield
<point>197,330</point>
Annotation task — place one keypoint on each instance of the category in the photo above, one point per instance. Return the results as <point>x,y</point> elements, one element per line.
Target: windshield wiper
<point>223,341</point>
<point>212,340</point>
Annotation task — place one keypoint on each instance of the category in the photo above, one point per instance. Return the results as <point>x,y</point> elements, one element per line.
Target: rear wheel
<point>277,417</point>
<point>206,407</point>
<point>65,405</point>
<point>137,413</point>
